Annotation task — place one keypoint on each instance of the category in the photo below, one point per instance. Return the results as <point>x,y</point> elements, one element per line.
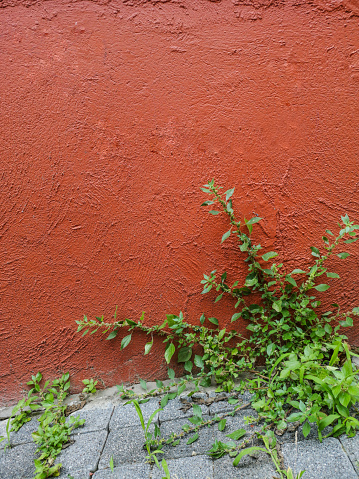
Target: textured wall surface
<point>113,114</point>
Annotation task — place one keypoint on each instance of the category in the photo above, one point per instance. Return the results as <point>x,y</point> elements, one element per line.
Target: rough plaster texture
<point>113,114</point>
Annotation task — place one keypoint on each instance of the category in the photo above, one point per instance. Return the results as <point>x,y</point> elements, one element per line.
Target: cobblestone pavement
<point>114,430</point>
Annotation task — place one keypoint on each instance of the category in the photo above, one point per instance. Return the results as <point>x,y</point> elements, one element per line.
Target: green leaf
<point>164,401</point>
<point>184,354</point>
<point>171,319</point>
<point>213,321</point>
<point>315,251</point>
<point>170,350</point>
<point>171,373</point>
<point>235,435</point>
<point>111,464</point>
<point>208,202</point>
<point>298,271</point>
<point>327,421</point>
<point>193,439</point>
<point>343,411</point>
<point>214,212</point>
<point>322,287</point>
<point>291,280</point>
<point>188,366</point>
<point>329,232</point>
<point>306,429</point>
<point>270,348</point>
<point>244,452</point>
<point>253,221</point>
<point>148,347</point>
<point>197,411</point>
<point>235,317</point>
<point>112,335</point>
<point>198,361</point>
<point>125,341</point>
<point>277,306</point>
<point>333,275</point>
<point>222,424</point>
<point>221,334</point>
<point>268,256</point>
<point>225,236</point>
<point>218,298</point>
<point>202,318</point>
<point>347,323</point>
<point>229,193</point>
<point>143,384</point>
<point>343,255</point>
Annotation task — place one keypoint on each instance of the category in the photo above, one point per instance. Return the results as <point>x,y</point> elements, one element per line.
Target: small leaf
<point>268,256</point>
<point>198,361</point>
<point>225,236</point>
<point>253,221</point>
<point>213,321</point>
<point>188,366</point>
<point>343,255</point>
<point>322,287</point>
<point>125,341</point>
<point>235,435</point>
<point>244,452</point>
<point>111,464</point>
<point>315,251</point>
<point>143,384</point>
<point>113,334</point>
<point>184,354</point>
<point>270,348</point>
<point>327,421</point>
<point>229,193</point>
<point>202,318</point>
<point>148,347</point>
<point>235,317</point>
<point>347,323</point>
<point>306,429</point>
<point>197,411</point>
<point>170,350</point>
<point>291,280</point>
<point>218,298</point>
<point>329,232</point>
<point>298,271</point>
<point>208,202</point>
<point>214,212</point>
<point>222,424</point>
<point>193,438</point>
<point>171,373</point>
<point>164,401</point>
<point>333,275</point>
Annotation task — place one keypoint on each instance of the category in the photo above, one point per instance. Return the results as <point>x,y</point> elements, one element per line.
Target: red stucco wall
<point>113,114</point>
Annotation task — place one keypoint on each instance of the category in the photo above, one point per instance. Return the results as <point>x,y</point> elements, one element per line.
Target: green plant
<point>307,374</point>
<point>53,430</point>
<point>90,386</point>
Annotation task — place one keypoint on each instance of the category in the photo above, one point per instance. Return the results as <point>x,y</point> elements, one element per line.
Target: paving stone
<point>172,410</point>
<point>96,418</point>
<point>82,474</point>
<point>84,454</point>
<point>256,469</point>
<point>18,462</point>
<point>125,446</point>
<point>201,446</point>
<point>135,471</point>
<point>326,459</point>
<point>196,467</point>
<point>351,447</point>
<point>23,435</point>
<point>125,416</point>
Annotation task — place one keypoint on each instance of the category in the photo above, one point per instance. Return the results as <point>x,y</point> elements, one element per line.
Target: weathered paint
<point>114,113</point>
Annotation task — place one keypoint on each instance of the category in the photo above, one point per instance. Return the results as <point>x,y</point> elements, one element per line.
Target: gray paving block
<point>125,416</point>
<point>256,469</point>
<point>74,475</point>
<point>96,418</point>
<point>125,446</point>
<point>84,454</point>
<point>18,462</point>
<point>351,447</point>
<point>196,467</point>
<point>201,446</point>
<point>134,471</point>
<point>172,410</point>
<point>23,435</point>
<point>326,459</point>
